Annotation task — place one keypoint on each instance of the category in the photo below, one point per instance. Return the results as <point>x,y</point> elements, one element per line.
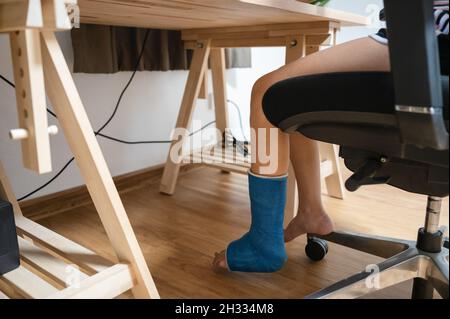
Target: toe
<point>220,262</point>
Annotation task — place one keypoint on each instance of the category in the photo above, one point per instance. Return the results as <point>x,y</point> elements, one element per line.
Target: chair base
<point>430,271</point>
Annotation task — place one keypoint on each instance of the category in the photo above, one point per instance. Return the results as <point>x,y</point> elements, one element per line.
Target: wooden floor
<point>179,234</point>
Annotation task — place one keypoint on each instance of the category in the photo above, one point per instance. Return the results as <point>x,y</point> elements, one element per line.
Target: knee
<point>263,84</point>
<point>259,90</point>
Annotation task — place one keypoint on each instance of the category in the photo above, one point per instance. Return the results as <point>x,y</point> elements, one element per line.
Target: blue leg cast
<point>262,249</point>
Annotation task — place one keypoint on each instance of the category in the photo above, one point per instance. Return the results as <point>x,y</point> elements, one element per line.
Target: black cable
<point>49,182</point>
<point>101,128</point>
<point>127,85</point>
<point>14,86</point>
<point>51,113</point>
<point>7,81</point>
<point>98,132</point>
<point>110,138</point>
<point>57,174</point>
<point>150,142</point>
<point>131,142</point>
<point>201,129</point>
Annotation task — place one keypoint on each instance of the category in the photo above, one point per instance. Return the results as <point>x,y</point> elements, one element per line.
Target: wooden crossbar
<point>236,163</point>
<point>42,275</point>
<point>316,33</point>
<point>260,31</point>
<point>31,25</point>
<point>56,270</point>
<point>74,253</point>
<point>27,284</point>
<point>107,284</point>
<point>20,15</point>
<point>50,261</point>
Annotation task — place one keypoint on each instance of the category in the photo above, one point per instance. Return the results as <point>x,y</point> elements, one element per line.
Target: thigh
<point>364,54</point>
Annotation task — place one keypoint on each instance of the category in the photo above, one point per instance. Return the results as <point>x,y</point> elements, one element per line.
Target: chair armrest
<point>416,70</point>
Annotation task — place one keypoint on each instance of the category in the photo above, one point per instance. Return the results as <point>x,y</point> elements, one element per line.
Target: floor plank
<point>179,234</point>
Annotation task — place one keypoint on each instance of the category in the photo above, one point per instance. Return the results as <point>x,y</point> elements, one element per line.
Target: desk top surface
<point>194,14</point>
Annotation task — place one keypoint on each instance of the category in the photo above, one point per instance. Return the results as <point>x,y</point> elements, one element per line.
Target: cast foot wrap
<point>262,249</point>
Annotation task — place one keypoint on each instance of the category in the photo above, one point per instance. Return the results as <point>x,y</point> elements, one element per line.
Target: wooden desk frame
<point>300,39</point>
<point>48,260</point>
<point>40,68</point>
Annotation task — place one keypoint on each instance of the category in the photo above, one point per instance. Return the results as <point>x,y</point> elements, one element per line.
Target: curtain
<point>111,49</point>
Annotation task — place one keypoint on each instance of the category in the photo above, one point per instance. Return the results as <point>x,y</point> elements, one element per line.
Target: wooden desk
<point>52,266</point>
<point>205,14</point>
<point>208,27</point>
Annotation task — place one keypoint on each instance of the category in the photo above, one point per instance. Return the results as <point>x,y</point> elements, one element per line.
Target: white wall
<point>148,110</point>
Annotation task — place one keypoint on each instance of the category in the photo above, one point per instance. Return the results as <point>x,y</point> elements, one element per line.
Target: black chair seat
<point>329,108</point>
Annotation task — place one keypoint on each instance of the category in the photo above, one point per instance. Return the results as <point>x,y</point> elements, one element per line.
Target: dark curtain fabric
<point>111,49</point>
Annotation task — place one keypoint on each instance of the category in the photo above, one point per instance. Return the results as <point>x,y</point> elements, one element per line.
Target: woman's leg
<point>311,217</point>
<point>359,55</point>
<point>362,55</point>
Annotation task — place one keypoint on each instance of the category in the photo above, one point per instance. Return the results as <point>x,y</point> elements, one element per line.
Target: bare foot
<point>308,223</point>
<point>220,262</point>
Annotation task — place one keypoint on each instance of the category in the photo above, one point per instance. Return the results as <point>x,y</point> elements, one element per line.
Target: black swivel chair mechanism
<point>392,128</point>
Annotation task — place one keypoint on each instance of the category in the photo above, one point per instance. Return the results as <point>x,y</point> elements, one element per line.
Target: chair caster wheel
<point>316,249</point>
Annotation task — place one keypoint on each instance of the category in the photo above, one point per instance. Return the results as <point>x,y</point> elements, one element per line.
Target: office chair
<point>392,128</point>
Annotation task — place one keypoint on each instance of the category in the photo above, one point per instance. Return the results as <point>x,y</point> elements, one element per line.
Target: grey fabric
<point>239,58</point>
<point>111,49</point>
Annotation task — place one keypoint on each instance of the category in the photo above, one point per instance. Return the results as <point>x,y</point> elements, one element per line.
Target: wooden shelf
<point>47,272</point>
<point>54,267</point>
<point>233,162</point>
